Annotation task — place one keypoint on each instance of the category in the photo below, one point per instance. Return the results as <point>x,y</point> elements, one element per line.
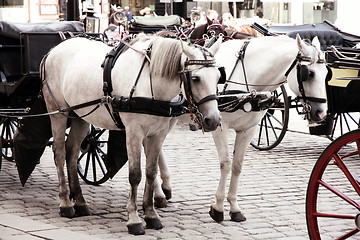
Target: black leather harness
<point>135,104</point>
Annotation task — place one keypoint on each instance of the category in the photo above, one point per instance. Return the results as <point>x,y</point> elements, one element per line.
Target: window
<point>248,5</point>
<point>11,3</point>
<point>48,7</point>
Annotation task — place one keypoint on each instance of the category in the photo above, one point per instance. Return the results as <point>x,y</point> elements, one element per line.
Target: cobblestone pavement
<point>272,194</point>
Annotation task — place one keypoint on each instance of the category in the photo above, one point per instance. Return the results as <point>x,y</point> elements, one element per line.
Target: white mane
<point>165,57</point>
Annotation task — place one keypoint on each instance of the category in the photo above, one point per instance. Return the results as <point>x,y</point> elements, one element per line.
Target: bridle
<point>186,78</point>
<point>302,75</point>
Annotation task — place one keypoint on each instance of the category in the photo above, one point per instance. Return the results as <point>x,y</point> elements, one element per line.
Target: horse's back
<point>68,52</point>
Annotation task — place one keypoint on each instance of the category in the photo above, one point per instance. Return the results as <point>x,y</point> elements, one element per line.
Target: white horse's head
<point>307,79</point>
<point>200,78</point>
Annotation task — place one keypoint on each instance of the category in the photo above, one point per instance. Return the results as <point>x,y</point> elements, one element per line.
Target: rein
<point>240,57</point>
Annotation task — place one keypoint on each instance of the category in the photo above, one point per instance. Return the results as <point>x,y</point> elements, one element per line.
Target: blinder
<point>222,78</point>
<point>303,71</point>
<point>329,74</point>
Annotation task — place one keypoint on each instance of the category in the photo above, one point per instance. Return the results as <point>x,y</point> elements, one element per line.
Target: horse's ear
<point>213,49</point>
<point>186,49</point>
<point>209,22</point>
<point>301,44</point>
<point>316,43</point>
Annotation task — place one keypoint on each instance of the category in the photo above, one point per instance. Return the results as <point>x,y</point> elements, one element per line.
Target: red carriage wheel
<point>274,124</point>
<point>333,194</point>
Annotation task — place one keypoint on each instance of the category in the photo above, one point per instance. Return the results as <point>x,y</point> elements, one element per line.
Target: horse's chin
<point>317,118</point>
<point>211,127</point>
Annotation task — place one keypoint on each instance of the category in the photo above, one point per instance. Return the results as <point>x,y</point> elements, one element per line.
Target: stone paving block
<point>24,224</point>
<point>60,234</point>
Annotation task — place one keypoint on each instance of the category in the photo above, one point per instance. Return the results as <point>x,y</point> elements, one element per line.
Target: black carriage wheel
<point>274,124</point>
<point>7,130</point>
<point>91,167</point>
<point>343,123</point>
<point>333,194</point>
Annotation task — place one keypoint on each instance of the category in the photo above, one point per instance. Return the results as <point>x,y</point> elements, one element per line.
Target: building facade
<point>278,11</point>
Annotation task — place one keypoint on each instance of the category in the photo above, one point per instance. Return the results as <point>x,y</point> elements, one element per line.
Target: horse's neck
<point>265,63</point>
<point>198,31</point>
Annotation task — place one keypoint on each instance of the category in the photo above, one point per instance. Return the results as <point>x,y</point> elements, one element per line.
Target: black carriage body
<point>344,98</point>
<point>22,46</point>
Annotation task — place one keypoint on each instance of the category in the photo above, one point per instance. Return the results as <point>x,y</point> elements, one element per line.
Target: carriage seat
<point>157,21</point>
<point>13,30</point>
<point>327,38</point>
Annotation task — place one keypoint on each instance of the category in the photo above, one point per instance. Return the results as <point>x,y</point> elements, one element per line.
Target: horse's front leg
<point>220,137</point>
<point>152,147</point>
<point>78,131</point>
<point>133,144</point>
<point>242,141</point>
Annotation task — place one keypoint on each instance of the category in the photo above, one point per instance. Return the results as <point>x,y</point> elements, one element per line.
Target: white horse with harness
<point>261,64</point>
<point>146,73</point>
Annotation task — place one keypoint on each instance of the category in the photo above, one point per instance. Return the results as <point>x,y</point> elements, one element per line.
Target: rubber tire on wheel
<point>91,167</point>
<point>7,130</point>
<point>332,201</point>
<point>272,129</point>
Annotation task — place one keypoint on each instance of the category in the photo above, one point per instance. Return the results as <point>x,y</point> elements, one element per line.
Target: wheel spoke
<point>339,193</point>
<point>260,131</point>
<point>266,131</point>
<point>99,161</point>
<point>345,170</point>
<point>94,165</point>
<point>330,215</point>
<point>87,164</point>
<point>272,127</point>
<point>349,234</point>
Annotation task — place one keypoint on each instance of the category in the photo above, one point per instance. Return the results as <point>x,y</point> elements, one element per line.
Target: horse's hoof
<point>216,215</point>
<point>82,210</point>
<point>237,217</point>
<point>153,223</point>
<point>136,229</point>
<point>68,212</point>
<point>160,202</point>
<point>167,193</point>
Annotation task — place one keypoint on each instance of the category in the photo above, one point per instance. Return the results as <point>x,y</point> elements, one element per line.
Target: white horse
<point>148,68</point>
<point>266,61</point>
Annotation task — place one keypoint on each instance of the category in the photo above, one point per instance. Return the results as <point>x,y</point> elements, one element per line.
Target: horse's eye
<point>311,74</point>
<point>195,78</point>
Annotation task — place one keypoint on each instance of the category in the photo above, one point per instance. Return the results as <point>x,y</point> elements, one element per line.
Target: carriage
<point>340,120</point>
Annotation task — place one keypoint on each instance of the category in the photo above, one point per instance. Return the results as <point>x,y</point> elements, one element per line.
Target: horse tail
<point>42,66</point>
